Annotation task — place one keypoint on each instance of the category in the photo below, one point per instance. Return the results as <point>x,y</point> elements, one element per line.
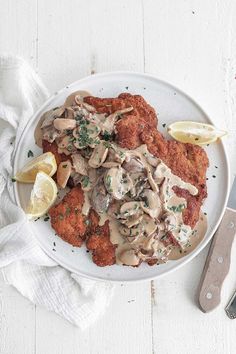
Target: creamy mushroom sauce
<point>130,188</point>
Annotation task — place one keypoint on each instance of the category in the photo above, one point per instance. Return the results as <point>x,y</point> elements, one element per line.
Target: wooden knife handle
<point>217,263</point>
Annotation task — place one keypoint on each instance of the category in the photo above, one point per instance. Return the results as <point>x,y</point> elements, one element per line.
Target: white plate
<point>171,104</point>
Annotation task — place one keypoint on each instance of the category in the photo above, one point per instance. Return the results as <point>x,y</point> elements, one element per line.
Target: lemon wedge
<point>194,132</point>
<point>42,197</point>
<point>45,163</point>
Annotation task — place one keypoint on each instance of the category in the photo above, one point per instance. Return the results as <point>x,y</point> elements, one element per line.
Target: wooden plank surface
<point>191,44</point>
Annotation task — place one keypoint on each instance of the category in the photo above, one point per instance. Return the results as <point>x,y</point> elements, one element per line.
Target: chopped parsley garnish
<point>108,183</point>
<point>64,166</point>
<point>85,181</point>
<point>69,147</point>
<point>46,218</point>
<point>13,179</point>
<point>177,208</point>
<point>30,153</point>
<point>107,136</point>
<point>55,108</point>
<point>164,125</point>
<point>107,144</point>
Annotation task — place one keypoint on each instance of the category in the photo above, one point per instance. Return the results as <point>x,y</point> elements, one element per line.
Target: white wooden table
<point>191,44</point>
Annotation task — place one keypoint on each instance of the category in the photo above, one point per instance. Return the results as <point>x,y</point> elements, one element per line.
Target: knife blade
<point>218,260</point>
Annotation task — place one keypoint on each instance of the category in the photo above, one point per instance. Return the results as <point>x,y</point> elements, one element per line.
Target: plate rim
<point>153,77</point>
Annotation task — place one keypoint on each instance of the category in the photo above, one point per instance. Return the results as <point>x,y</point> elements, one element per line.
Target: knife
<point>218,260</point>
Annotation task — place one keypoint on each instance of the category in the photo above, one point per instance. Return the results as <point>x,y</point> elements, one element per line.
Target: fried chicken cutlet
<point>73,227</point>
<point>67,218</point>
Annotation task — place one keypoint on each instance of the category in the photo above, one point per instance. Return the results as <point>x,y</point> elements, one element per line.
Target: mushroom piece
<point>70,100</point>
<point>65,143</point>
<point>160,173</point>
<point>134,232</point>
<point>151,203</point>
<point>133,220</point>
<point>99,155</point>
<point>149,225</point>
<point>49,116</point>
<point>128,257</point>
<point>45,129</point>
<point>64,123</point>
<point>63,151</point>
<point>86,184</point>
<point>50,133</point>
<point>115,156</point>
<point>170,221</point>
<point>129,209</point>
<point>63,173</point>
<point>100,199</point>
<point>133,164</point>
<point>80,164</point>
<point>151,181</point>
<point>79,101</point>
<point>152,160</point>
<point>110,121</point>
<point>70,113</point>
<point>117,182</point>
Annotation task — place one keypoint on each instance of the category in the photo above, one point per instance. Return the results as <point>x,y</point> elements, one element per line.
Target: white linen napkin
<point>23,264</point>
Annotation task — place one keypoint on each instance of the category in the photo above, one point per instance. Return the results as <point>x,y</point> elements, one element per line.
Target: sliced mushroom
<point>79,101</point>
<point>64,124</point>
<point>115,156</point>
<point>63,151</point>
<point>80,164</point>
<point>110,121</point>
<point>50,133</point>
<point>170,221</point>
<point>151,181</point>
<point>100,199</point>
<point>134,232</point>
<point>128,257</point>
<point>117,182</point>
<point>133,220</point>
<point>75,178</point>
<point>51,115</point>
<point>65,142</point>
<point>160,173</point>
<point>99,155</point>
<point>70,101</point>
<point>152,160</point>
<point>151,203</point>
<point>70,113</point>
<point>63,173</point>
<point>114,208</point>
<point>110,164</point>
<point>129,209</point>
<point>132,164</point>
<point>86,184</point>
<point>149,225</point>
